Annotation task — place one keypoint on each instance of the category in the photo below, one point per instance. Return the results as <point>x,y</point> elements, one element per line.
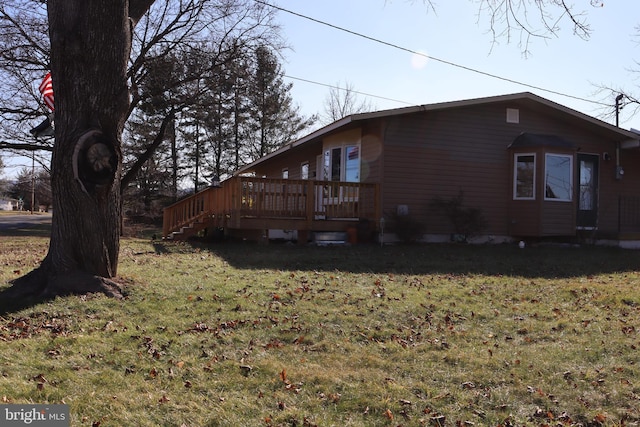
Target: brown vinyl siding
<point>527,220</point>
<point>439,154</point>
<point>372,150</point>
<point>444,152</point>
<point>558,218</point>
<point>292,162</point>
<point>612,189</point>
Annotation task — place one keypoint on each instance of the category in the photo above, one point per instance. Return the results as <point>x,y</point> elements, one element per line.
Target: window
<point>557,177</point>
<point>304,170</point>
<point>525,177</point>
<point>342,164</point>
<point>352,164</point>
<point>587,198</point>
<point>285,173</point>
<point>332,163</point>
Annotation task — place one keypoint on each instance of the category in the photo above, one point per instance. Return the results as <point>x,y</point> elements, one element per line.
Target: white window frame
<point>555,199</point>
<point>515,176</point>
<point>304,170</point>
<point>327,161</point>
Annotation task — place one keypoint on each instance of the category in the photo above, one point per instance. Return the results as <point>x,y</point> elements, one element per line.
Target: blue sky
<point>455,33</point>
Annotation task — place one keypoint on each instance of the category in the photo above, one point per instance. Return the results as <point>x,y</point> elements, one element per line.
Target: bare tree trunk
<point>174,162</point>
<point>90,47</point>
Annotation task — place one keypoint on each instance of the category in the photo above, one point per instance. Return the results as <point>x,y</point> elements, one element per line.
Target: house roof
<point>628,139</point>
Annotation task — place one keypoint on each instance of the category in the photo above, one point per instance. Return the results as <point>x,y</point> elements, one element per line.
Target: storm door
<point>587,216</point>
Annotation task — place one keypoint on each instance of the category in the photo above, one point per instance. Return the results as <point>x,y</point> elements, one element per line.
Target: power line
<point>354,91</point>
<point>443,61</point>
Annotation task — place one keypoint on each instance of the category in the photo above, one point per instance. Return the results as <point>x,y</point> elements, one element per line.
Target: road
<point>23,221</point>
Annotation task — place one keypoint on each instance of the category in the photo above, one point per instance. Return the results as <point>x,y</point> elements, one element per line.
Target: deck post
<point>166,223</point>
<point>310,190</point>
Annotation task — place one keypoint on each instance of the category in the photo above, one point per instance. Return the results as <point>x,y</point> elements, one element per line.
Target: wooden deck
<point>248,203</point>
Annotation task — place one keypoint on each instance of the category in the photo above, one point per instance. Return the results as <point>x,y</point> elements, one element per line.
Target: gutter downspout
<point>619,170</point>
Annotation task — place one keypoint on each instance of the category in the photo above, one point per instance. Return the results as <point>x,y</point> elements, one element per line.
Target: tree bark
<point>90,47</point>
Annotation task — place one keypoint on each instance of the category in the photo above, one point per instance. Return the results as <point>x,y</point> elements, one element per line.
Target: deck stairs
<point>188,230</point>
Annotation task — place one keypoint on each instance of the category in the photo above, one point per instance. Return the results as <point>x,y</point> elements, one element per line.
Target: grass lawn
<point>240,334</point>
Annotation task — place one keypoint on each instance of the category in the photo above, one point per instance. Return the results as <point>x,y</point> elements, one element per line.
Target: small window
<point>558,183</point>
<point>352,164</point>
<point>524,187</point>
<point>304,170</point>
<point>285,173</point>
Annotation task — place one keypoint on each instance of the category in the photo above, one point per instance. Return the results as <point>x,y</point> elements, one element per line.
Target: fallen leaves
<point>153,372</point>
<point>40,381</point>
<point>288,385</point>
<point>374,353</point>
<point>37,323</point>
<point>388,414</point>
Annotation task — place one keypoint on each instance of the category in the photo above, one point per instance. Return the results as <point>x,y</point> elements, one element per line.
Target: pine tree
<point>274,120</point>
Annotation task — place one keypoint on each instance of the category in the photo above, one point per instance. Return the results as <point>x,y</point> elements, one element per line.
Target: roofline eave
<point>626,135</point>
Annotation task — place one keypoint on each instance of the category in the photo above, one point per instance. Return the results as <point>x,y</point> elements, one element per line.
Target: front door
<point>587,217</point>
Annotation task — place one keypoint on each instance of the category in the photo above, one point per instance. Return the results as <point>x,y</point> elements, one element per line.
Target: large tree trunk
<point>90,47</point>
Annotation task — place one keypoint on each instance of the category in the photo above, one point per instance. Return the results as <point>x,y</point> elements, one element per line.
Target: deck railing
<point>250,198</point>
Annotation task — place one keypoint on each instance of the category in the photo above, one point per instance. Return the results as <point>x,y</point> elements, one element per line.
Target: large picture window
<point>525,177</point>
<point>558,183</point>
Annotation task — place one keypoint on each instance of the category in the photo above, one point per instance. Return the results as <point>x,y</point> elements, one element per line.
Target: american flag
<point>46,89</point>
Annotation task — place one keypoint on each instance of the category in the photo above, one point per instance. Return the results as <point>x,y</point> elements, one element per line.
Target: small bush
<point>466,221</point>
<point>407,228</point>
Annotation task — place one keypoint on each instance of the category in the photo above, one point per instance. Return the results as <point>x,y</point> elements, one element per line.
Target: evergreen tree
<point>274,120</point>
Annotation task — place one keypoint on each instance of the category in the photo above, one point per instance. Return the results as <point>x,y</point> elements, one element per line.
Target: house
<point>529,167</point>
<point>8,204</point>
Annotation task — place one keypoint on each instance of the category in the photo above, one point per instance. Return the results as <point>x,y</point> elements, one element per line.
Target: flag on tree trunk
<point>46,89</point>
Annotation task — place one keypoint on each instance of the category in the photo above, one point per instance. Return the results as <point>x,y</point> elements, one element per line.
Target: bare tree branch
<point>24,147</point>
<point>532,19</point>
<point>342,102</point>
<point>130,174</point>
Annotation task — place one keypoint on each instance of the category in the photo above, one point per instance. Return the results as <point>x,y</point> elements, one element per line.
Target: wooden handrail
<point>268,198</point>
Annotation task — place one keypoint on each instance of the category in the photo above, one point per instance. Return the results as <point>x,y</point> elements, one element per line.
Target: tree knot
<point>94,160</point>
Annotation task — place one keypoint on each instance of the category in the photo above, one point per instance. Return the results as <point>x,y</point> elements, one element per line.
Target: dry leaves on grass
<point>37,323</point>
